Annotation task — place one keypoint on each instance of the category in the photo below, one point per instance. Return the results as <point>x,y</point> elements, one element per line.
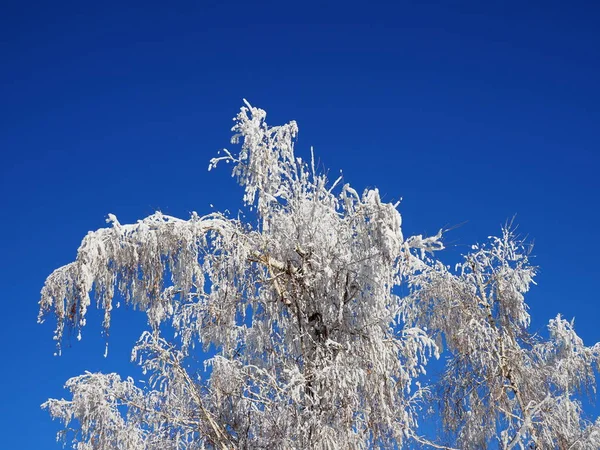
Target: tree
<point>502,382</point>
<point>313,347</point>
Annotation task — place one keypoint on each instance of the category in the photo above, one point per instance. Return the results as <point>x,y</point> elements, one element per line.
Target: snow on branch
<point>134,258</point>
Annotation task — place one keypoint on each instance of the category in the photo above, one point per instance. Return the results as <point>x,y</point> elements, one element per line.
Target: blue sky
<point>470,111</point>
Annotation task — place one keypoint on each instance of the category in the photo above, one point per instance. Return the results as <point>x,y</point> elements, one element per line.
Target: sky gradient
<point>471,112</point>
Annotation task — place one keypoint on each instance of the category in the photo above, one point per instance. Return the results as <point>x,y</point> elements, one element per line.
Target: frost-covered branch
<point>501,381</point>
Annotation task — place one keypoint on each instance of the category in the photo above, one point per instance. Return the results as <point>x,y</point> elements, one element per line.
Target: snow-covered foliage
<point>502,383</point>
<point>313,348</point>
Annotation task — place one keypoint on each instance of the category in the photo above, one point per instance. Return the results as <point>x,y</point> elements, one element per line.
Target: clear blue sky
<point>469,111</point>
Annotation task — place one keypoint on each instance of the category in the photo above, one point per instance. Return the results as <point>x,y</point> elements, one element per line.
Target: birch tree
<point>312,347</point>
<point>502,384</point>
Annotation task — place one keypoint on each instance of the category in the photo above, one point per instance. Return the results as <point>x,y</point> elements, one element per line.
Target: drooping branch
<point>135,258</point>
